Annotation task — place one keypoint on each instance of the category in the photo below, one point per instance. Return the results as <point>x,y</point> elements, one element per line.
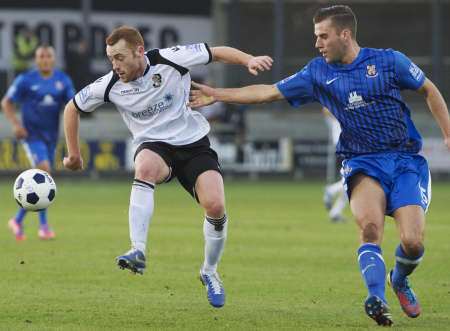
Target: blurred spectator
<point>25,43</point>
<point>78,65</point>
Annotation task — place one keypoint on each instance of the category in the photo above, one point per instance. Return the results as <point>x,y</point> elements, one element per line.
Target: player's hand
<point>259,63</point>
<point>73,162</point>
<point>20,132</point>
<point>447,142</point>
<point>201,96</point>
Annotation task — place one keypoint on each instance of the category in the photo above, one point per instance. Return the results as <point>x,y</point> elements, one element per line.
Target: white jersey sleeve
<point>93,95</point>
<point>189,55</point>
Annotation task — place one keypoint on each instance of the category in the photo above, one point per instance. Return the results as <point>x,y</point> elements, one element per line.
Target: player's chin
<point>124,78</point>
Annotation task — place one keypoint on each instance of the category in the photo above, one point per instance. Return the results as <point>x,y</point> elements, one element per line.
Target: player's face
<point>45,59</point>
<point>331,44</point>
<point>126,62</point>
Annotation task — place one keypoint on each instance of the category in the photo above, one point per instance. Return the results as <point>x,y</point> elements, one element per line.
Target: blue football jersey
<point>365,98</point>
<point>41,100</point>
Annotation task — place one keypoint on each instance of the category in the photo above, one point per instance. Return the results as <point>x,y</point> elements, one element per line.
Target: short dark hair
<point>341,16</point>
<point>131,35</point>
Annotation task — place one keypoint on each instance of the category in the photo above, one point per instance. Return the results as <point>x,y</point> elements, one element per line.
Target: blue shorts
<point>405,178</point>
<point>39,151</point>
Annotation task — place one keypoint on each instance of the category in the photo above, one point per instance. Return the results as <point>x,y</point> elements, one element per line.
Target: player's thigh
<point>412,188</point>
<point>210,192</point>
<point>150,167</point>
<point>37,154</point>
<point>44,165</point>
<point>47,161</point>
<point>368,204</point>
<point>202,178</point>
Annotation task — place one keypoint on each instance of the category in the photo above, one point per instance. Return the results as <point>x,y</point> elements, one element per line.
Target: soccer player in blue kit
<point>42,94</point>
<point>384,174</point>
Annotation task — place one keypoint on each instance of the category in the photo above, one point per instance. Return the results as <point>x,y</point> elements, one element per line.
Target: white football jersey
<point>154,106</point>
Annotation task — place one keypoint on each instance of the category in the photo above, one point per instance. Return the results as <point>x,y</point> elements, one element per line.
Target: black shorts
<point>186,162</point>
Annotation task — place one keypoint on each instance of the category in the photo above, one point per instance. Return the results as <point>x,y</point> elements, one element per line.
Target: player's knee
<point>44,166</point>
<point>145,173</point>
<point>371,232</point>
<point>214,207</point>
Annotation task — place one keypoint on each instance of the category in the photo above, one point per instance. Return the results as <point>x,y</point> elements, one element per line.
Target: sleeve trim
<point>209,53</point>
<point>112,81</point>
<point>78,107</point>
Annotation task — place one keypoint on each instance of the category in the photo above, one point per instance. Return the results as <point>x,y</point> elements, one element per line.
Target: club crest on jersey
<point>157,80</point>
<point>371,71</point>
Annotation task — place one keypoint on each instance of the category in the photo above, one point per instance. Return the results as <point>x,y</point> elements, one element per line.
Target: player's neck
<point>141,70</point>
<point>46,74</point>
<point>351,54</point>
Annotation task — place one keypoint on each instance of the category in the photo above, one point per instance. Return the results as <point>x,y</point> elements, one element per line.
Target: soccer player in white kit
<point>334,197</point>
<point>151,92</point>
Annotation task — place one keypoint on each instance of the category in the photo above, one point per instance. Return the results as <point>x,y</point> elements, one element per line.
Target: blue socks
<point>404,266</point>
<point>20,215</point>
<point>43,218</point>
<point>373,270</point>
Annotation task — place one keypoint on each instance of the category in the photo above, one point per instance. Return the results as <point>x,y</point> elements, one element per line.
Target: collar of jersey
<point>146,69</point>
<point>350,66</point>
<point>148,66</point>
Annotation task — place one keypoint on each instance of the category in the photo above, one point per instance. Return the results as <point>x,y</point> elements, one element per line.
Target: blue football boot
<point>406,297</point>
<point>133,260</point>
<point>214,289</point>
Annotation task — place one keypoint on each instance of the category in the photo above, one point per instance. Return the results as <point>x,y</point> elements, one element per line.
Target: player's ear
<point>140,50</point>
<point>346,34</point>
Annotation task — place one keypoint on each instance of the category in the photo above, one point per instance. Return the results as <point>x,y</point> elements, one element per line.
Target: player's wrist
<point>248,60</point>
<point>74,156</point>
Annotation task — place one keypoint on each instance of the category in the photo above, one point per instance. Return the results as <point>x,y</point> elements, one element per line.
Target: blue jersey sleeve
<point>409,75</point>
<point>298,88</point>
<point>16,92</point>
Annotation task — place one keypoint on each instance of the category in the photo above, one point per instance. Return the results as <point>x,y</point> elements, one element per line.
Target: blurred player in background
<point>384,174</point>
<point>151,91</point>
<point>41,94</point>
<point>334,197</point>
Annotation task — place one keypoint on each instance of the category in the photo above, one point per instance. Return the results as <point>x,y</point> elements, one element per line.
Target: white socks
<point>339,205</point>
<point>215,232</point>
<point>335,188</point>
<point>140,213</point>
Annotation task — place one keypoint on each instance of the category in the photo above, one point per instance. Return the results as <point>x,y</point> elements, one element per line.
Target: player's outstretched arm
<point>10,114</point>
<point>232,55</point>
<point>203,95</point>
<point>74,160</point>
<point>438,108</point>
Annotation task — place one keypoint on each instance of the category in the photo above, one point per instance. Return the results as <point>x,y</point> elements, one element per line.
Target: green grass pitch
<point>285,267</point>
